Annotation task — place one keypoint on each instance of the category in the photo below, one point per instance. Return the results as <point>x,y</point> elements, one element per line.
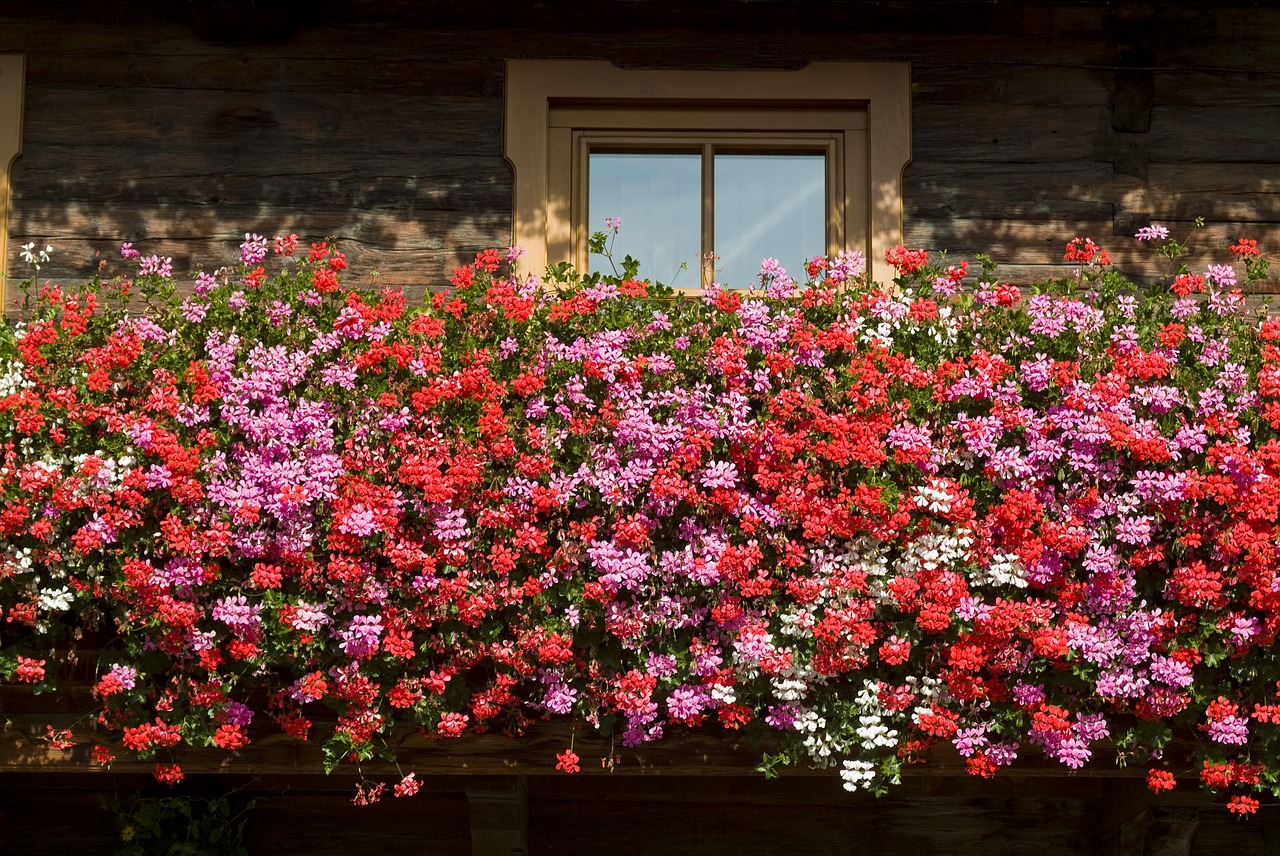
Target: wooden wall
<point>380,121</point>
<point>43,815</point>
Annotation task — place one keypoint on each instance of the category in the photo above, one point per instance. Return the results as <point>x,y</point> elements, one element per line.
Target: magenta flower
<point>1222,275</point>
<point>254,249</point>
<point>1231,730</point>
<point>155,266</point>
<point>720,474</point>
<point>361,637</point>
<point>237,613</point>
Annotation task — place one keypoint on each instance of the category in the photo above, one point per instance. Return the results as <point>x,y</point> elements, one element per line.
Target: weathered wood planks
<point>389,136</point>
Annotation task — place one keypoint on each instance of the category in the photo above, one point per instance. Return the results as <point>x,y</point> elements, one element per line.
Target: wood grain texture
<point>25,749</point>
<point>802,818</point>
<point>381,122</point>
<point>572,815</point>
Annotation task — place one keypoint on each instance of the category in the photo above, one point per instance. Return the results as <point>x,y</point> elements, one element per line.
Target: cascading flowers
<point>858,520</point>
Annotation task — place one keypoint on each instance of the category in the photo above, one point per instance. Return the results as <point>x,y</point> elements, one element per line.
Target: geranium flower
<point>567,761</point>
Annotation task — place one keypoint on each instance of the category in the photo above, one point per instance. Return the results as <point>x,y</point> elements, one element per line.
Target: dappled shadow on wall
<point>410,189</point>
<point>1023,214</point>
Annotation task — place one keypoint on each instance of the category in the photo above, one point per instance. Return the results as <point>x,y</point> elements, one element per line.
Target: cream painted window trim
<point>543,188</point>
<point>12,80</point>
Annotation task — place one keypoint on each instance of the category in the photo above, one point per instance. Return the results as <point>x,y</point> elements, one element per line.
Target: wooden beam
<point>25,748</point>
<point>500,817</point>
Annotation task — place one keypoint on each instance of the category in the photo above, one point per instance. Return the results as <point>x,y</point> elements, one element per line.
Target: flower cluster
<point>858,520</point>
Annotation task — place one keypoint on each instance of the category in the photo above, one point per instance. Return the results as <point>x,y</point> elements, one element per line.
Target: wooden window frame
<point>839,135</point>
<point>556,109</point>
<point>12,84</point>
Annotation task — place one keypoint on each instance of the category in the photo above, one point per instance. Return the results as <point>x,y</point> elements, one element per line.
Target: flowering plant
<point>857,519</point>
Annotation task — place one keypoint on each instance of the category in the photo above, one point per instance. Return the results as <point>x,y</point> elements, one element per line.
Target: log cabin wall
<point>380,123</point>
<point>179,126</point>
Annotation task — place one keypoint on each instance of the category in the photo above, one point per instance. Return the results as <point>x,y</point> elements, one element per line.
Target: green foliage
<point>181,826</point>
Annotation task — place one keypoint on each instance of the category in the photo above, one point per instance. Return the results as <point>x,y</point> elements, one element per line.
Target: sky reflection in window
<point>659,198</point>
<point>768,206</point>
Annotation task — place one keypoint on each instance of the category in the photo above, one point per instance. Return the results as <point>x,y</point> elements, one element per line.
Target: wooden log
<point>1243,40</point>
<point>1191,88</point>
<point>25,747</point>
<point>966,80</point>
<point>1240,194</point>
<point>1063,36</point>
<point>1043,242</point>
<point>1080,190</point>
<point>283,126</point>
<point>458,184</point>
<point>1014,134</point>
<point>1031,253</point>
<point>423,243</point>
<point>810,817</point>
<point>1211,134</point>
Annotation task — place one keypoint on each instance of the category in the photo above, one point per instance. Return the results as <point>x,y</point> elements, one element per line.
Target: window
<point>693,182</point>
<point>742,164</point>
<point>11,85</point>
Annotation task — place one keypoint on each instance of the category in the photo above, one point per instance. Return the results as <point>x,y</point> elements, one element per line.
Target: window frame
<point>678,104</point>
<point>12,85</point>
<point>574,133</point>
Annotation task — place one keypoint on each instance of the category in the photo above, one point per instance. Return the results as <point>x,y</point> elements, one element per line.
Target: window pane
<point>768,206</point>
<point>659,198</point>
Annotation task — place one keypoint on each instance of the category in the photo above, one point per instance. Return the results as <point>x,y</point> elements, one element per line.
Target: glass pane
<point>768,206</point>
<point>659,198</point>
